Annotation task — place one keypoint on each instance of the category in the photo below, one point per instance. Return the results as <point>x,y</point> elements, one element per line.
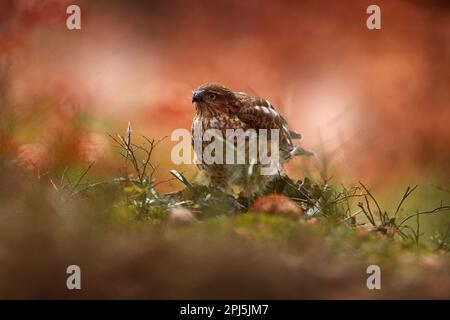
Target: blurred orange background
<point>376,103</point>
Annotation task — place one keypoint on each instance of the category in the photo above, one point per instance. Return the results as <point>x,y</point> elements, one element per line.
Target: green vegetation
<point>130,242</point>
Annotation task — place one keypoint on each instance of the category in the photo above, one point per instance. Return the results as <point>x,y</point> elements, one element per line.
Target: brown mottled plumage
<point>218,107</point>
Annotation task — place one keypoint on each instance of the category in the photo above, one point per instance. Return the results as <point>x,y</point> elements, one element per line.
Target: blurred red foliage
<point>377,101</point>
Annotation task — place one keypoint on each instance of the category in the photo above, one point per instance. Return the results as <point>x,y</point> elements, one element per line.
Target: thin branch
<point>374,200</point>
<point>435,210</point>
<point>82,175</point>
<point>406,195</point>
<point>352,215</point>
<point>369,217</point>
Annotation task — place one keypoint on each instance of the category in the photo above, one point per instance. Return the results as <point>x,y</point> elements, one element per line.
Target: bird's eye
<point>211,96</point>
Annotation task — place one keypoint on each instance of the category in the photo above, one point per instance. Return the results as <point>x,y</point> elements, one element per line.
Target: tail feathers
<point>295,135</point>
<point>299,151</point>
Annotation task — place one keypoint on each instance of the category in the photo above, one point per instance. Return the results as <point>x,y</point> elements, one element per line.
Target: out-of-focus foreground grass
<point>130,241</point>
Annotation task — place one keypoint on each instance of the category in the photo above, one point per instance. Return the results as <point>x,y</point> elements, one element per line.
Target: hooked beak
<point>197,95</point>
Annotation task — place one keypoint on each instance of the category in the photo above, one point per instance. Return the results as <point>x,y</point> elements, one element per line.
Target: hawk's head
<point>211,99</point>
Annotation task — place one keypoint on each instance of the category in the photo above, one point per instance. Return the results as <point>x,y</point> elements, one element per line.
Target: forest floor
<point>314,240</point>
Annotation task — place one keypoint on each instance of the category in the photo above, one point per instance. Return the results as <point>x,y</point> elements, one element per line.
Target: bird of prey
<point>219,108</point>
